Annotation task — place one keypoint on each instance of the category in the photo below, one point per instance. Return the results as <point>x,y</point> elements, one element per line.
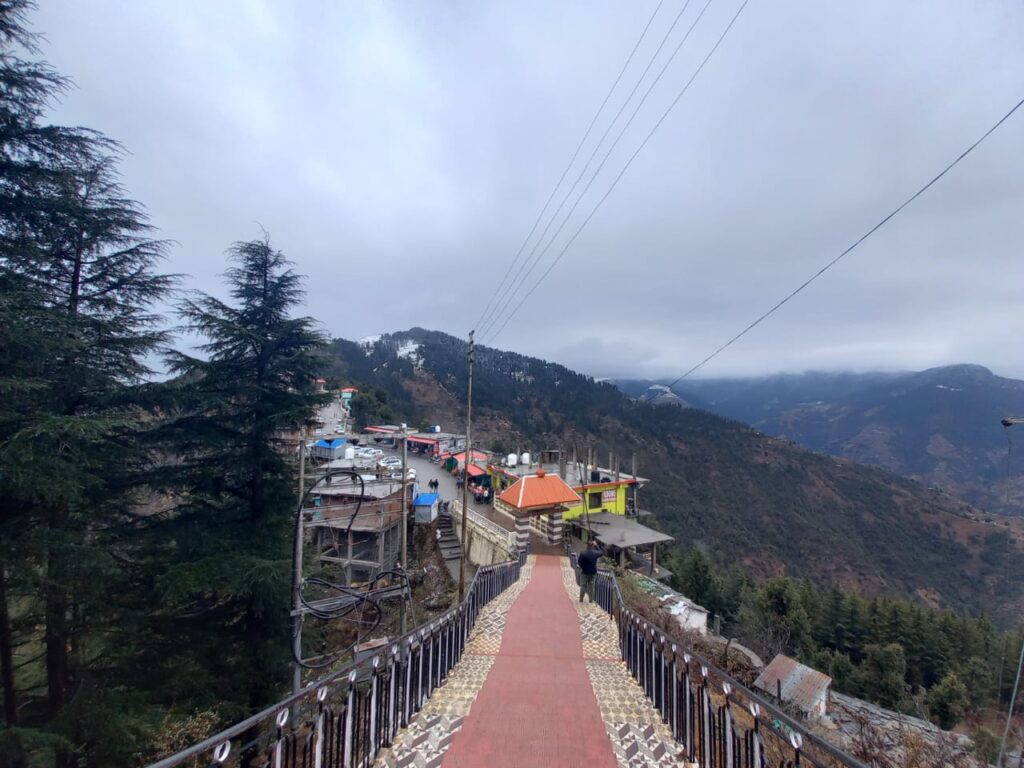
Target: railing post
<point>674,715</point>
<point>755,745</point>
<point>688,708</point>
<point>393,696</point>
<point>350,704</point>
<point>407,695</point>
<point>318,737</point>
<point>420,698</point>
<point>660,689</point>
<point>706,719</point>
<point>728,731</point>
<point>374,683</point>
<point>280,720</point>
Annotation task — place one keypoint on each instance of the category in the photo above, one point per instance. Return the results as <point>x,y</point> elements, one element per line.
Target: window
<point>595,500</point>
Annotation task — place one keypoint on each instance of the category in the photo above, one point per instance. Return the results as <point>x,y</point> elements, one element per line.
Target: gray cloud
<point>403,149</point>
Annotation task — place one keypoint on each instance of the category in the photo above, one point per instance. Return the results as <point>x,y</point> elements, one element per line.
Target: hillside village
<point>552,501</point>
<point>764,512</point>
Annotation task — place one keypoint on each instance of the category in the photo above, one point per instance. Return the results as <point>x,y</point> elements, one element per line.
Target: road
<point>426,471</point>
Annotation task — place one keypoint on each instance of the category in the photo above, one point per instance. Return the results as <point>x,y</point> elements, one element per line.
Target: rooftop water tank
<point>525,458</point>
<point>350,452</point>
<point>511,459</point>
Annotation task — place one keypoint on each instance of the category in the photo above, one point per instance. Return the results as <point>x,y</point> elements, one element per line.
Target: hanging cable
<point>622,172</point>
<point>857,242</point>
<point>519,277</point>
<point>586,135</point>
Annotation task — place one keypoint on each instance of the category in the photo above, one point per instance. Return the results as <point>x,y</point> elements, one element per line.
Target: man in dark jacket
<point>588,569</point>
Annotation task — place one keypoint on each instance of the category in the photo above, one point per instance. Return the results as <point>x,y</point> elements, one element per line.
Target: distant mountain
<point>745,497</point>
<point>939,426</point>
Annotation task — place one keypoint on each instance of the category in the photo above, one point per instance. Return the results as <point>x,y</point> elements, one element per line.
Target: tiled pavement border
<point>425,740</point>
<point>635,728</point>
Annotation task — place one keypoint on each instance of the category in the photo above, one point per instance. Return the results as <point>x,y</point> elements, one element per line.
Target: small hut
<point>425,507</point>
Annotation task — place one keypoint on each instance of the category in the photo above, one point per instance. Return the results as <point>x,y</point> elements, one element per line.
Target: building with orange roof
<point>540,496</point>
<point>598,489</point>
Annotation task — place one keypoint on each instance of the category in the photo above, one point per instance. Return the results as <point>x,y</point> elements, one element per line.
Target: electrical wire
<point>856,243</point>
<point>363,597</point>
<point>572,160</point>
<point>625,167</point>
<point>519,277</point>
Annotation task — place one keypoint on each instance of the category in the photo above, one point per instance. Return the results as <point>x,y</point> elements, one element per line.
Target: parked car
<point>390,462</point>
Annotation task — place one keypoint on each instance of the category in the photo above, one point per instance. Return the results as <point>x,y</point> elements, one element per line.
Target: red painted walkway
<point>537,706</point>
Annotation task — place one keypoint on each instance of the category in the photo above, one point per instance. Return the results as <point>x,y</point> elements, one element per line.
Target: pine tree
<point>947,701</point>
<point>229,543</point>
<point>78,276</point>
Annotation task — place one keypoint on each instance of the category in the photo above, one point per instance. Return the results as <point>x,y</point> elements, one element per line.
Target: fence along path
<point>542,683</point>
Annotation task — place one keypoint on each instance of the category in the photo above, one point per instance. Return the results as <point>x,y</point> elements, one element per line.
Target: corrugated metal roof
<point>800,684</point>
<point>461,457</point>
<point>619,531</point>
<point>539,491</point>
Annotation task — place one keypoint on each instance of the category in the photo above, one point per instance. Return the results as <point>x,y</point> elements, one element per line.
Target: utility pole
<point>297,576</point>
<point>1013,700</point>
<point>405,521</point>
<point>465,472</point>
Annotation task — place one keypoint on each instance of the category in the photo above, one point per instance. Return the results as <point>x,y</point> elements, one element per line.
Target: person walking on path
<point>588,569</point>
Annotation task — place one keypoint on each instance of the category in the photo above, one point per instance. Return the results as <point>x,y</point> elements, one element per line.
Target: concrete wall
<point>485,548</point>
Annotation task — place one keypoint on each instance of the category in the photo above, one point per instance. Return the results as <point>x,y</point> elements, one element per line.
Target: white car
<point>391,462</point>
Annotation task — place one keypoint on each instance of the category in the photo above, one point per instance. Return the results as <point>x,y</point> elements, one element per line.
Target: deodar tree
<point>78,280</point>
<point>229,542</point>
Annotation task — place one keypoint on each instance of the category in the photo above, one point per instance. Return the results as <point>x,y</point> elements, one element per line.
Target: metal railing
<point>717,721</point>
<point>500,535</point>
<point>343,720</point>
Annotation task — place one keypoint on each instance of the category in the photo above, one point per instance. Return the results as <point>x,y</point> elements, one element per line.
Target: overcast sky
<point>400,151</point>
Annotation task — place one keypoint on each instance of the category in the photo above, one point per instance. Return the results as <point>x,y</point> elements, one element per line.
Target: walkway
<point>541,683</point>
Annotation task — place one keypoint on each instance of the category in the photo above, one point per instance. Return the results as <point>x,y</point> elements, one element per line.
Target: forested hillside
<point>718,484</point>
<point>940,426</point>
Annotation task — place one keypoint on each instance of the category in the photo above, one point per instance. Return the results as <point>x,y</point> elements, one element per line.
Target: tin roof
<point>801,685</point>
<point>477,455</point>
<point>619,531</point>
<point>538,491</point>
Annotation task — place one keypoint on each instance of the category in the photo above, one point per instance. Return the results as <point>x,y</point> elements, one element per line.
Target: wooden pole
<point>465,473</point>
<point>405,524</point>
<point>297,576</point>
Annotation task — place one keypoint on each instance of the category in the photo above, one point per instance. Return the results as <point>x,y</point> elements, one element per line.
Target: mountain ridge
<point>742,495</point>
<point>940,426</point>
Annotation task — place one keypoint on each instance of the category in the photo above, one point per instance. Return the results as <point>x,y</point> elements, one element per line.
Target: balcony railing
<point>718,722</point>
<point>346,718</point>
<point>499,535</point>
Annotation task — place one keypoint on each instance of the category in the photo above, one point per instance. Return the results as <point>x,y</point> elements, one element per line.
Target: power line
<point>572,160</point>
<point>625,167</point>
<point>857,242</point>
<point>519,278</point>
